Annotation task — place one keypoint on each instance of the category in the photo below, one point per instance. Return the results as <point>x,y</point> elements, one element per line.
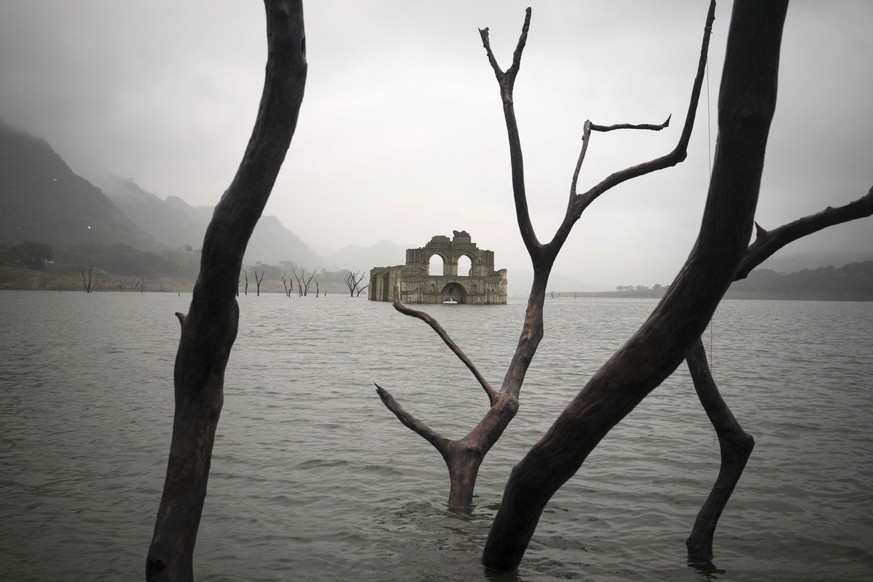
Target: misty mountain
<point>43,200</point>
<point>177,224</point>
<point>520,282</point>
<point>384,253</point>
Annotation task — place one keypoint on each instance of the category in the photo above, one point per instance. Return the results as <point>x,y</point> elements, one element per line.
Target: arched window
<point>464,266</point>
<point>436,266</point>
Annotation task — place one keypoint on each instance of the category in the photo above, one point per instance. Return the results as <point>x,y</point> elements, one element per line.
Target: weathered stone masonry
<point>482,286</point>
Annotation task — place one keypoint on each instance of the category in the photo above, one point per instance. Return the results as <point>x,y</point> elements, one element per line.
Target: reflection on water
<point>313,479</point>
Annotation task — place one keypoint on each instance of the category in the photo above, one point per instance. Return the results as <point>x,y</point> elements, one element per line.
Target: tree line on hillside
<point>122,267</point>
<point>852,282</point>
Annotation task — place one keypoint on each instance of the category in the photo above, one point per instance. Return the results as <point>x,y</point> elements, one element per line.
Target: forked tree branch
<point>581,201</point>
<point>587,128</point>
<point>506,81</point>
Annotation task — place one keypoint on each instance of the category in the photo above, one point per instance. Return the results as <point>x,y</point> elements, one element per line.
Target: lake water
<point>313,479</point>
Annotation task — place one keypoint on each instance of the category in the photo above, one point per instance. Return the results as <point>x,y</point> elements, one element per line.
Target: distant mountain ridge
<point>852,282</point>
<point>177,224</point>
<point>43,200</point>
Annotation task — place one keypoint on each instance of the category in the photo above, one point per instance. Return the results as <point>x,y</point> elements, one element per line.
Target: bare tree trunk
<point>735,446</point>
<point>734,443</point>
<point>258,280</point>
<point>746,105</point>
<point>87,282</point>
<point>209,329</point>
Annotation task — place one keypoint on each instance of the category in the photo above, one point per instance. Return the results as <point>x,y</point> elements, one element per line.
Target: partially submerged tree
<point>210,326</point>
<point>258,280</point>
<point>354,281</point>
<point>464,456</point>
<point>735,445</point>
<point>673,330</point>
<point>87,281</point>
<point>303,281</point>
<point>285,284</point>
<point>746,104</point>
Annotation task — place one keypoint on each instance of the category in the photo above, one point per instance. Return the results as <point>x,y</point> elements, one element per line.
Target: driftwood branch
<point>210,326</point>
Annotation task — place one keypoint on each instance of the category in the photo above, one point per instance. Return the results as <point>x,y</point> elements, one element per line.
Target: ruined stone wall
<point>482,286</point>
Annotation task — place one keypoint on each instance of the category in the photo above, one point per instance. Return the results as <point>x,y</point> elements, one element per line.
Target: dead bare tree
<point>464,456</point>
<point>354,281</point>
<point>246,275</point>
<point>258,280</point>
<point>87,282</point>
<point>735,445</point>
<point>303,281</point>
<point>210,326</point>
<point>285,284</point>
<point>745,108</point>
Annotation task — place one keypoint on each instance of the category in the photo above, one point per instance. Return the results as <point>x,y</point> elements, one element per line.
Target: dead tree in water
<point>735,445</point>
<point>210,326</point>
<point>745,108</point>
<point>303,281</point>
<point>464,456</point>
<point>353,282</point>
<point>285,284</point>
<point>87,282</point>
<point>258,281</point>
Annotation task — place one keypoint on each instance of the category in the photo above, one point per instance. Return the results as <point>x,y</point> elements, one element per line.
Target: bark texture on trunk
<point>746,105</point>
<point>735,444</point>
<point>210,326</point>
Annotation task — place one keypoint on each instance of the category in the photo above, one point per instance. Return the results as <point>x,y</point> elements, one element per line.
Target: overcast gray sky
<point>401,132</point>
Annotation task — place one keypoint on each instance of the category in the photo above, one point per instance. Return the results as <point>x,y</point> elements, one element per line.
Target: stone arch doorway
<point>436,265</point>
<point>453,292</point>
<point>465,266</point>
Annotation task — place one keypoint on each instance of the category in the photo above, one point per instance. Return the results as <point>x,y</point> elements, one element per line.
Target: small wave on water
<point>314,479</point>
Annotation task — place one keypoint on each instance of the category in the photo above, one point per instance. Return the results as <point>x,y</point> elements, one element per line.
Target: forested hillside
<point>852,282</point>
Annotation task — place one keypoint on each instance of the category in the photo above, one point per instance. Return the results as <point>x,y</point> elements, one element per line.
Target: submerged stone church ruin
<point>482,285</point>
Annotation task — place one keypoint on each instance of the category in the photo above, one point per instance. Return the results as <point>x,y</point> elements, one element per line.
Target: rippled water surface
<point>313,479</point>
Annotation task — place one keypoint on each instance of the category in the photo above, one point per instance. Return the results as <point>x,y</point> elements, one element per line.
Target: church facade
<point>482,285</point>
